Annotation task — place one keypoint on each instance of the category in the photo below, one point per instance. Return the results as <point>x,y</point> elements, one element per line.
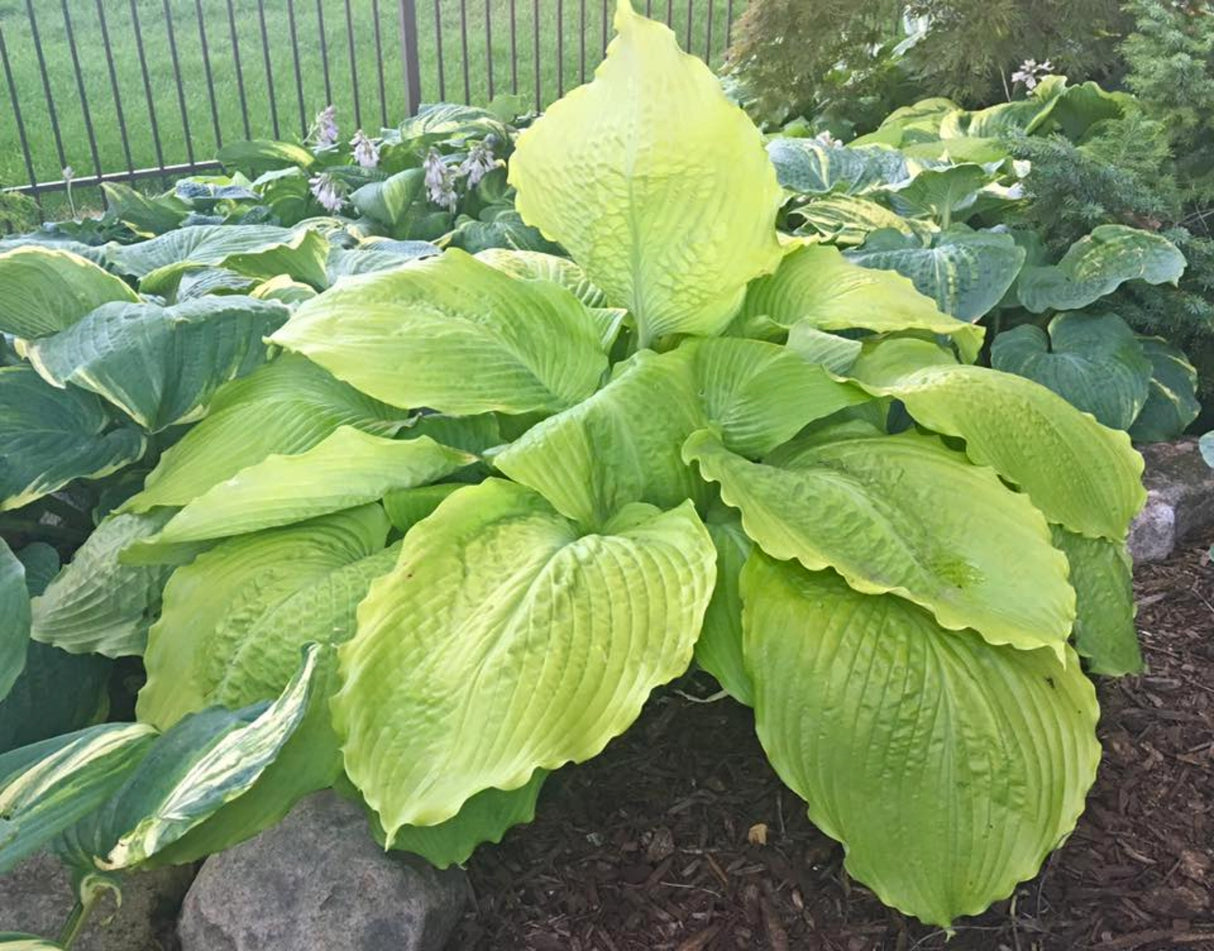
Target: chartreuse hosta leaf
<point>818,285</point>
<point>947,767</point>
<point>52,436</point>
<point>1172,398</point>
<point>455,335</point>
<point>719,649</point>
<point>508,640</point>
<point>538,266</point>
<point>192,771</point>
<point>74,776</point>
<point>1078,473</point>
<point>43,290</point>
<point>14,618</point>
<point>486,817</point>
<point>97,604</point>
<point>285,407</point>
<point>614,448</point>
<point>655,183</point>
<point>1102,577</point>
<point>407,507</point>
<point>1093,361</point>
<point>905,515</point>
<point>233,620</point>
<point>835,353</point>
<point>346,469</point>
<point>161,365</point>
<point>1097,265</point>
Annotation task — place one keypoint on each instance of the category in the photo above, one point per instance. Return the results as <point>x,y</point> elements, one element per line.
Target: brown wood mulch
<point>680,838</point>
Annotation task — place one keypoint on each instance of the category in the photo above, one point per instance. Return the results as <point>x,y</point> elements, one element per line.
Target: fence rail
<point>126,90</point>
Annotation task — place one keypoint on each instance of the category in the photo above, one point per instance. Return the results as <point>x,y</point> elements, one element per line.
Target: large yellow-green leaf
<point>817,284</point>
<point>233,620</point>
<point>719,649</point>
<point>52,436</point>
<point>1101,574</point>
<point>507,640</point>
<point>14,618</point>
<point>287,406</point>
<point>73,776</point>
<point>43,290</point>
<point>1079,473</point>
<point>453,334</point>
<point>903,514</point>
<point>348,468</point>
<point>538,266</point>
<point>161,365</point>
<point>947,767</point>
<point>655,183</point>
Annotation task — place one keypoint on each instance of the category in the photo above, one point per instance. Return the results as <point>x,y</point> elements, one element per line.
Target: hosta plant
<point>483,505</point>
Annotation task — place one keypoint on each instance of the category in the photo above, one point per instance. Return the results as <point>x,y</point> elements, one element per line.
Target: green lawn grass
<point>557,58</point>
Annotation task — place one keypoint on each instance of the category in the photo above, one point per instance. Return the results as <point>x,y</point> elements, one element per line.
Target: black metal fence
<point>124,90</point>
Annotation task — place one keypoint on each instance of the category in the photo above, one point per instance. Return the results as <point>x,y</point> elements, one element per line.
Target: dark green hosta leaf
<point>1092,361</point>
<point>500,226</point>
<point>948,768</point>
<point>719,649</point>
<point>43,290</point>
<point>98,604</point>
<point>965,272</point>
<point>285,407</point>
<point>970,550</point>
<point>75,775</point>
<point>259,155</point>
<point>1172,401</point>
<point>394,201</point>
<point>486,817</point>
<point>442,121</point>
<point>206,281</point>
<point>52,436</point>
<point>810,168</point>
<point>939,192</point>
<point>1097,265</point>
<point>14,618</point>
<point>143,215</point>
<point>161,365</point>
<point>1101,574</point>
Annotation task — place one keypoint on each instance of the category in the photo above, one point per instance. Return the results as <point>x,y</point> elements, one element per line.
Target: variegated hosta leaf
<point>967,273</point>
<point>98,604</point>
<point>1079,473</point>
<point>808,167</point>
<point>285,407</point>
<point>455,335</point>
<point>818,285</point>
<point>903,514</point>
<point>1101,574</point>
<point>52,436</point>
<point>1097,265</point>
<point>161,365</point>
<point>43,290</point>
<point>1093,361</point>
<point>234,619</point>
<point>14,618</point>
<point>12,941</point>
<point>947,767</point>
<point>507,640</point>
<point>657,185</point>
<point>74,775</point>
<point>847,220</point>
<point>193,770</point>
<point>719,649</point>
<point>346,469</point>
<point>486,817</point>
<point>1172,399</point>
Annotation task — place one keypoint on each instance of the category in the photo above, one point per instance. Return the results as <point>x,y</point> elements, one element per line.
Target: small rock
<point>318,882</point>
<point>37,897</point>
<point>1180,500</point>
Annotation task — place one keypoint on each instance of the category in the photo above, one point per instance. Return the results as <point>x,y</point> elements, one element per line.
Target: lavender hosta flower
<point>366,152</point>
<point>827,140</point>
<point>328,191</point>
<point>479,163</point>
<point>440,180</point>
<point>324,128</point>
<point>1031,73</point>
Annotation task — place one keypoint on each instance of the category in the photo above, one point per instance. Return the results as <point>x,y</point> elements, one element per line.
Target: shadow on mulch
<point>656,844</point>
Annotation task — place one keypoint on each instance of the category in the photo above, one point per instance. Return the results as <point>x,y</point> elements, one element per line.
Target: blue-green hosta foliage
<point>939,195</point>
<point>493,501</point>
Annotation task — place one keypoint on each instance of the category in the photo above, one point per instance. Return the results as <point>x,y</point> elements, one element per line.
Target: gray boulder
<point>1180,500</point>
<point>318,882</point>
<point>36,898</point>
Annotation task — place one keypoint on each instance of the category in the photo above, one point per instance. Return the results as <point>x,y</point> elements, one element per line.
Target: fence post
<point>408,53</point>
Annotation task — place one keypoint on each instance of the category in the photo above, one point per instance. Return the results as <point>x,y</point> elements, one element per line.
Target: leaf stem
<point>78,918</point>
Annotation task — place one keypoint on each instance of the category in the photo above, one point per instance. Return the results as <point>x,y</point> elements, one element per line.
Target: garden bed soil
<point>680,838</point>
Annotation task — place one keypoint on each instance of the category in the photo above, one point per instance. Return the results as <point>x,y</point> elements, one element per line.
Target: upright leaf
<point>1172,397</point>
<point>14,618</point>
<point>43,290</point>
<point>947,767</point>
<point>657,185</point>
<point>1101,573</point>
<point>719,649</point>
